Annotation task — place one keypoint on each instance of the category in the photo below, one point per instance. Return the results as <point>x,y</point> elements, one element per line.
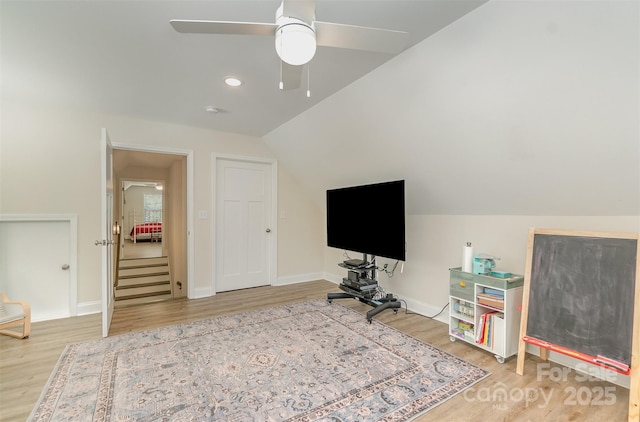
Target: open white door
<point>107,242</point>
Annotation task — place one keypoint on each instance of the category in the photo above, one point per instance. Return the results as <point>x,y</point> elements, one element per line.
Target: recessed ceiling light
<point>211,109</point>
<point>232,81</point>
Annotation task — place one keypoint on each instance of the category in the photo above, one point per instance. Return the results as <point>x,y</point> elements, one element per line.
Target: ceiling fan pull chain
<point>281,84</point>
<point>309,80</point>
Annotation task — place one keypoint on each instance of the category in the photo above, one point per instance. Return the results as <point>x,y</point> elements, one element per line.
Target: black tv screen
<point>369,219</point>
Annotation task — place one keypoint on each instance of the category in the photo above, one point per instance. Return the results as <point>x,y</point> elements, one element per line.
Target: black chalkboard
<point>581,293</point>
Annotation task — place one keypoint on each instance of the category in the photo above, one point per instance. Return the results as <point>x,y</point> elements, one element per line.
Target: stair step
<point>140,299</point>
<point>135,262</point>
<point>131,280</point>
<point>143,280</point>
<point>134,267</point>
<point>142,289</point>
<point>144,284</point>
<point>129,275</point>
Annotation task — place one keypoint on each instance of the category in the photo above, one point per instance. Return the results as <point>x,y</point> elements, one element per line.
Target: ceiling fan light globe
<point>295,43</point>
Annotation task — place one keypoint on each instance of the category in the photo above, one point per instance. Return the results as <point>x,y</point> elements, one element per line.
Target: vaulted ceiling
<point>495,108</point>
<point>123,57</point>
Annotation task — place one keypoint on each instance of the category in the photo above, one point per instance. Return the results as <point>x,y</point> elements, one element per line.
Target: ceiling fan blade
<point>291,76</point>
<point>223,27</point>
<point>301,9</point>
<point>360,37</point>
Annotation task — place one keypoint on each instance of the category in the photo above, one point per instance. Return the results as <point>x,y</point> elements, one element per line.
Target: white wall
<point>520,108</point>
<point>435,243</point>
<point>301,222</point>
<point>520,114</point>
<point>55,152</point>
<point>513,87</point>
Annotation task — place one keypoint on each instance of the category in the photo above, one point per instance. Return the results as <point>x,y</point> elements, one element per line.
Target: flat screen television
<point>369,219</point>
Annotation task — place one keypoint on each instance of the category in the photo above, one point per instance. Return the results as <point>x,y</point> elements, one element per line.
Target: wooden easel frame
<point>634,387</point>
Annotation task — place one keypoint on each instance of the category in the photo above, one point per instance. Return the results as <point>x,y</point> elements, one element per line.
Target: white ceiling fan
<point>297,34</point>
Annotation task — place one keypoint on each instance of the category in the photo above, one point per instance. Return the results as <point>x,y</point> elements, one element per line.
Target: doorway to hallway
<point>153,197</point>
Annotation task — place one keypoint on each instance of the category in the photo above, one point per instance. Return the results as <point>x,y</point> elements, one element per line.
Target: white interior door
<point>107,242</point>
<point>244,230</point>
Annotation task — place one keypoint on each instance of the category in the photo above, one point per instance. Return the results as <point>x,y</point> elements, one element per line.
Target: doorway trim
<point>273,224</point>
<point>188,153</point>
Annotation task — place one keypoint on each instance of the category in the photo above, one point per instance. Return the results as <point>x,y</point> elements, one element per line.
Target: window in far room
<point>152,208</point>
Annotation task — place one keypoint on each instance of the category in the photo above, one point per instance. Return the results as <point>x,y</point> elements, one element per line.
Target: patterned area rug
<point>309,361</point>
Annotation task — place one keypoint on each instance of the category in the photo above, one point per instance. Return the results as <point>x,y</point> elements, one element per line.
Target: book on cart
<point>490,300</point>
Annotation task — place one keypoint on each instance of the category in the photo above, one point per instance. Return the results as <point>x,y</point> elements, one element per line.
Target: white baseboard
<point>299,278</point>
<point>49,316</point>
<point>337,279</point>
<point>201,292</point>
<point>87,308</point>
<point>428,310</point>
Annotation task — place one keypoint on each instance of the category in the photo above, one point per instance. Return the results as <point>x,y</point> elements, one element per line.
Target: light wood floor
<point>143,249</point>
<point>25,365</point>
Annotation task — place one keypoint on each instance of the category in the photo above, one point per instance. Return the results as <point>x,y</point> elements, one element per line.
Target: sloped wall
<point>518,108</point>
<point>520,114</point>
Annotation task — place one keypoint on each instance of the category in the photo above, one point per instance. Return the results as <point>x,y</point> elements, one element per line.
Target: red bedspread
<point>147,228</point>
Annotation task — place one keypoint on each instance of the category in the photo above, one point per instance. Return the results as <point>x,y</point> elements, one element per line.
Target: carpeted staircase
<point>143,280</point>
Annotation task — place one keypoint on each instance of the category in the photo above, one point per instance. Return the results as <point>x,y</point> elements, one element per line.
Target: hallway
<point>143,249</point>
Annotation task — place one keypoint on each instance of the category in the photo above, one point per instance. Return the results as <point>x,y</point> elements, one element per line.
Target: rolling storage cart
<point>485,311</point>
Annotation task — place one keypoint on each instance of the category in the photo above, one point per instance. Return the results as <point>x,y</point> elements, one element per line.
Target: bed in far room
<point>146,231</point>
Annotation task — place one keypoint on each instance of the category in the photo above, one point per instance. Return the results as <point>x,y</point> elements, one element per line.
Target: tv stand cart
<point>361,284</point>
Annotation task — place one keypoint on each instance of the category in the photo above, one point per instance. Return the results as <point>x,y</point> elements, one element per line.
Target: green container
<point>462,282</point>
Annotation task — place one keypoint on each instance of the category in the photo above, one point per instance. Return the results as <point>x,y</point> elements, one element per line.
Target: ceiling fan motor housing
<point>295,40</point>
<point>297,34</point>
